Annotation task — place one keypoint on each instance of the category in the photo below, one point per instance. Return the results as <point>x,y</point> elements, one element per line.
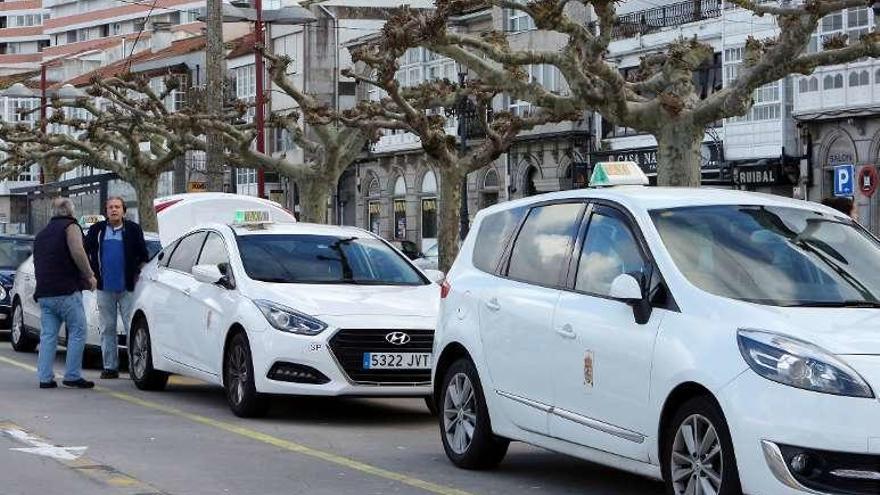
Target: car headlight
<point>800,364</point>
<point>3,293</point>
<point>289,320</point>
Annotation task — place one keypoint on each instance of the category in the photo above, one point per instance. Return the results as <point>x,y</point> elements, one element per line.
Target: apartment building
<point>837,109</point>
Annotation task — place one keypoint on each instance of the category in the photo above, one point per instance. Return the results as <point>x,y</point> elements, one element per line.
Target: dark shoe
<point>109,375</point>
<point>51,384</point>
<point>81,383</point>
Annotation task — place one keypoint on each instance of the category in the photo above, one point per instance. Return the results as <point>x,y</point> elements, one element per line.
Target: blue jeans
<point>55,311</point>
<point>109,305</point>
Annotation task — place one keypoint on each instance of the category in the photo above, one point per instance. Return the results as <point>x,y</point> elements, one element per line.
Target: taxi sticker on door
<point>588,369</point>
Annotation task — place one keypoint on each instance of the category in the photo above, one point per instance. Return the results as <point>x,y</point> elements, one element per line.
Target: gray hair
<point>62,207</point>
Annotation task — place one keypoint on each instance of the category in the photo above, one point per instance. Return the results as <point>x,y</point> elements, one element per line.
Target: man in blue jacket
<point>117,251</point>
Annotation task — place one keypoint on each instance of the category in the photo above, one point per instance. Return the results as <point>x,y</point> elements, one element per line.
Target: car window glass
<point>495,229</point>
<point>324,259</point>
<point>13,252</point>
<point>214,251</point>
<point>166,253</point>
<point>543,243</point>
<point>184,257</point>
<point>153,247</point>
<point>609,250</point>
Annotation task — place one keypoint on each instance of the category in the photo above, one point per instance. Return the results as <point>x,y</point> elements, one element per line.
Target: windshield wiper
<point>854,303</point>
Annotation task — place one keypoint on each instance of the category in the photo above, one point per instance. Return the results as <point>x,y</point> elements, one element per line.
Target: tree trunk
<point>450,216</point>
<point>216,84</point>
<point>313,194</point>
<point>678,155</point>
<point>50,171</point>
<point>147,187</point>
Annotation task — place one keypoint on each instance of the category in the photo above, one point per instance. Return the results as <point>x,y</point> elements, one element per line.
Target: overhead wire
<point>140,32</point>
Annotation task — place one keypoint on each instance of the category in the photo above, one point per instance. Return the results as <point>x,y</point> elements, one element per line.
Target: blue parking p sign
<point>844,180</point>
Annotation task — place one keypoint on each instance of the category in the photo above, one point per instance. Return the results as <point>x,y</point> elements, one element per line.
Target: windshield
<point>324,259</point>
<point>771,255</point>
<point>13,252</point>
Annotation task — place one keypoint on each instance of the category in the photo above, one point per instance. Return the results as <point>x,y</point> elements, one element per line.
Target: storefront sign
<point>196,186</point>
<point>646,158</point>
<point>867,181</point>
<point>755,175</point>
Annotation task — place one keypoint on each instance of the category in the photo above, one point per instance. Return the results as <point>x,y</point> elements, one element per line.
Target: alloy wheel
<point>17,324</point>
<point>238,373</point>
<point>139,353</point>
<point>459,413</point>
<point>697,461</point>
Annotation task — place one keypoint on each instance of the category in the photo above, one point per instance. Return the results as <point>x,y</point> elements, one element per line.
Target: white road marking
<point>40,447</point>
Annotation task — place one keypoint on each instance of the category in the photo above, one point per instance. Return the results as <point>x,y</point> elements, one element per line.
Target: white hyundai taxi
<point>270,308</point>
<point>722,341</point>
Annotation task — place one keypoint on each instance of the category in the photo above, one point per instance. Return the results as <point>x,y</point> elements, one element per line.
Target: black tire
<point>431,404</point>
<point>483,450</point>
<point>144,376</point>
<point>18,335</point>
<point>716,465</point>
<point>238,379</point>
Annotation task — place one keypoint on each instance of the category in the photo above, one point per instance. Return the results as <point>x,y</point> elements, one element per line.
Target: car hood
<point>7,276</point>
<point>838,330</point>
<point>352,300</point>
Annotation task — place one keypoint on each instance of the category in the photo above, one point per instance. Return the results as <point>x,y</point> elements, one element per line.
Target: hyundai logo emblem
<point>398,338</point>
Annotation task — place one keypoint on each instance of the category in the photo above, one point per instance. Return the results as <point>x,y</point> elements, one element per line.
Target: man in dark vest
<point>62,271</point>
<point>117,251</point>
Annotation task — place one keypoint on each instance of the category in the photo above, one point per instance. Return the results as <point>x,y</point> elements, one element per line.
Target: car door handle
<point>566,331</point>
<point>492,304</point>
<point>187,291</point>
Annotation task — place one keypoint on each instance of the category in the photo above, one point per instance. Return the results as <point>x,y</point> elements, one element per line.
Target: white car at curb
<point>723,341</point>
<point>25,326</point>
<point>271,308</point>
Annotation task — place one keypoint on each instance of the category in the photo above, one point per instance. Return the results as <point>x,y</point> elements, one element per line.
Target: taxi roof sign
<point>252,217</point>
<point>617,174</point>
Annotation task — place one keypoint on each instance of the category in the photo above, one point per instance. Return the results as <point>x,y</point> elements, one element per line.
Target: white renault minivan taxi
<point>723,341</point>
<point>284,308</point>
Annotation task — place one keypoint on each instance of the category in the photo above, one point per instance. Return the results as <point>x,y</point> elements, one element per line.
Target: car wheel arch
<point>679,395</point>
<point>234,329</point>
<point>450,354</point>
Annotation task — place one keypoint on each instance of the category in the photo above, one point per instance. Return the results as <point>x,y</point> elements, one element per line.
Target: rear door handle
<point>566,331</point>
<point>187,291</point>
<point>492,304</point>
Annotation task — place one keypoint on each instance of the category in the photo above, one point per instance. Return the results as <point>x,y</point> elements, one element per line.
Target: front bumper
<point>771,423</point>
<point>315,366</point>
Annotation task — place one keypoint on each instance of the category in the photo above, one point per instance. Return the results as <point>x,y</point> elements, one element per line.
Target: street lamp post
<point>464,221</point>
<point>241,11</point>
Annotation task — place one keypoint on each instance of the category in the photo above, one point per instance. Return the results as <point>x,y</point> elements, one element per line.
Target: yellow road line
<point>272,440</point>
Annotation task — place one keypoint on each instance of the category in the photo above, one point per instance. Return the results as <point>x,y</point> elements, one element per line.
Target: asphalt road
<point>186,441</point>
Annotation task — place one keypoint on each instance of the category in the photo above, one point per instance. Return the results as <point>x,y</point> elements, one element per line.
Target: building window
<point>853,22</point>
<point>429,206</point>
<point>374,207</point>
<point>548,77</point>
<point>858,78</point>
<point>832,82</point>
<point>517,20</point>
<point>400,208</point>
<point>489,194</point>
<point>767,102</point>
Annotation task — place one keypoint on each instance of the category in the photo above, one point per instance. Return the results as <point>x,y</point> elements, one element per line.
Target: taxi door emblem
<point>588,369</point>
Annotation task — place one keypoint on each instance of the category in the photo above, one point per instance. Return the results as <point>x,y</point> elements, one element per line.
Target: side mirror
<point>209,274</point>
<point>435,275</point>
<point>627,289</point>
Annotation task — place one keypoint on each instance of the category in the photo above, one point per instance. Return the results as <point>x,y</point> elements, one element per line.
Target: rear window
<point>543,244</point>
<point>494,232</point>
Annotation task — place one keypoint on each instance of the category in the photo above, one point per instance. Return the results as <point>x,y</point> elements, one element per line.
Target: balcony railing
<point>656,18</point>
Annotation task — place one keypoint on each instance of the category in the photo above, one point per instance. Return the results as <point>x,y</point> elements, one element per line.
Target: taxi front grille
<point>349,346</point>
